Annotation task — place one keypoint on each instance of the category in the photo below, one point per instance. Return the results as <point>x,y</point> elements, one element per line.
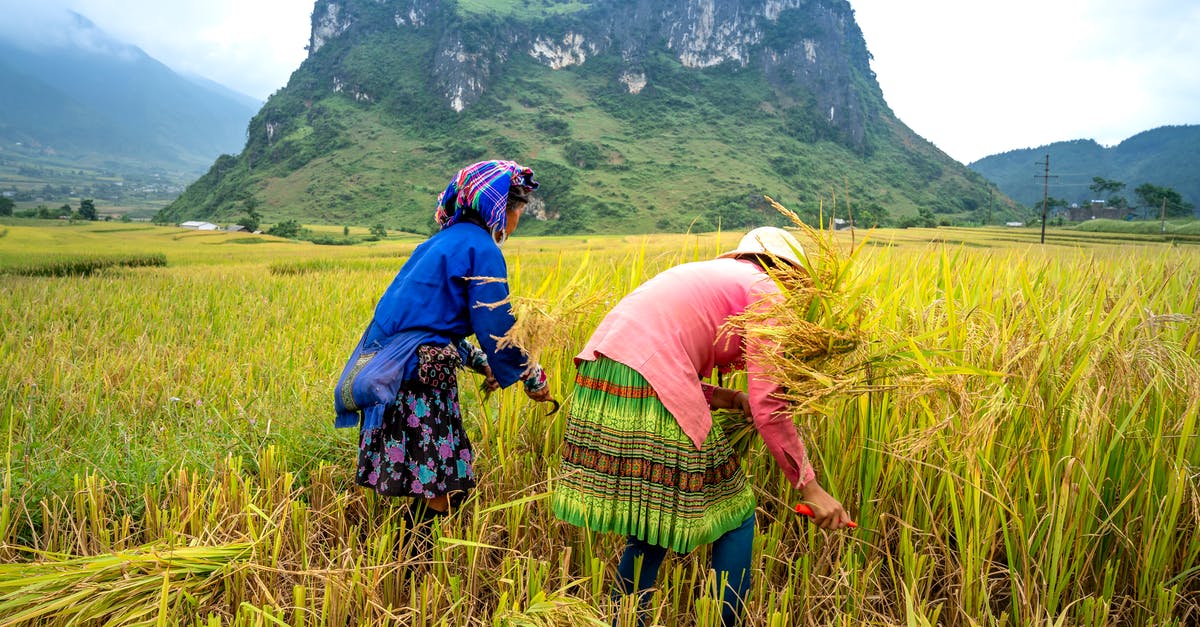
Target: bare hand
<point>741,402</point>
<point>490,384</point>
<point>541,395</point>
<point>828,513</point>
<point>725,398</point>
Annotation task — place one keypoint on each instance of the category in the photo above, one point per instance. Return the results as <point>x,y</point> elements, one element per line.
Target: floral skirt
<point>628,468</point>
<point>421,449</point>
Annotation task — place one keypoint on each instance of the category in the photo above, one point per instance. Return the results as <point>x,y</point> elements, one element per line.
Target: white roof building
<point>199,226</point>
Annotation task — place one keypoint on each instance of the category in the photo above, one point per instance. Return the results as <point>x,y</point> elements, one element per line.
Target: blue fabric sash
<point>372,377</point>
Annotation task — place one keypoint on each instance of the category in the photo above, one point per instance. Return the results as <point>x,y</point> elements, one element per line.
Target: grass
<point>175,420</point>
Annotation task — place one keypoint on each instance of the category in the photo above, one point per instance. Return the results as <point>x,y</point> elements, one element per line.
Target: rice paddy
<point>169,456</point>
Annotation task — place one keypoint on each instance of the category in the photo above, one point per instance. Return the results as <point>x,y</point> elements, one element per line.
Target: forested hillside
<point>1163,157</point>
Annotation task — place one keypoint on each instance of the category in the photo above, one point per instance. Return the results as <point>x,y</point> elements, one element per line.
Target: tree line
<point>1153,201</point>
<point>86,210</point>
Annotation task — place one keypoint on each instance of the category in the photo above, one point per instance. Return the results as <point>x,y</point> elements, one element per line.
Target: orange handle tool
<point>805,510</point>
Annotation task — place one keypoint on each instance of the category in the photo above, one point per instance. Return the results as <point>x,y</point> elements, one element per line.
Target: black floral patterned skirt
<point>421,449</point>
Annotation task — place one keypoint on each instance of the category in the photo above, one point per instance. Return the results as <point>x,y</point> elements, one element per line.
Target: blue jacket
<point>438,297</point>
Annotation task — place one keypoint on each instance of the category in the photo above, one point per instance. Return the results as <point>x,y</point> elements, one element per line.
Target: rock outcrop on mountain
<point>641,115</point>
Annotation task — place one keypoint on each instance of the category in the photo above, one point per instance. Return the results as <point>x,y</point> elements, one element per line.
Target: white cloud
<point>981,79</point>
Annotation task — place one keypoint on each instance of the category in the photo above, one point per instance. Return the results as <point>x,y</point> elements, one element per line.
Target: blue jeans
<point>730,559</point>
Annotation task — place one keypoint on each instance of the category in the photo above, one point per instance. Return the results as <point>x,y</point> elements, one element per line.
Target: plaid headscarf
<point>482,187</point>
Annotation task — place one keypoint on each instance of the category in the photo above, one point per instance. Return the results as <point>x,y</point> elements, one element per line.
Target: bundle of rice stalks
<point>818,340</point>
<point>554,610</point>
<point>546,319</point>
<point>812,339</point>
<point>147,585</point>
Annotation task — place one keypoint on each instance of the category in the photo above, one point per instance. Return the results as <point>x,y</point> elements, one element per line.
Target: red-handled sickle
<point>805,510</point>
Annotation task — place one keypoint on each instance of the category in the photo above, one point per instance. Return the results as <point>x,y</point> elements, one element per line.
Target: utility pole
<point>1045,192</point>
<point>1163,228</point>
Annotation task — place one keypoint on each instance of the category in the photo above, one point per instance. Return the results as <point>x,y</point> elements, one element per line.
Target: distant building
<point>1096,209</point>
<point>199,226</point>
<point>1014,224</point>
<point>235,228</point>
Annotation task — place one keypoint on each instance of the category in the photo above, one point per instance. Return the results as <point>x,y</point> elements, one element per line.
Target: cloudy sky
<point>975,78</point>
<point>978,78</point>
<point>251,46</point>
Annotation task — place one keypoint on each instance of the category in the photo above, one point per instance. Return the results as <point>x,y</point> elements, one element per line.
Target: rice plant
<point>1028,455</point>
<point>82,265</point>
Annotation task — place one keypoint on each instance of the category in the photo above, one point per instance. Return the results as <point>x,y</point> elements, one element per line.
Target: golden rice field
<point>169,456</point>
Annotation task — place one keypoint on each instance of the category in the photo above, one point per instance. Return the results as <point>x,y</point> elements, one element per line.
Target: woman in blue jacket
<point>399,386</point>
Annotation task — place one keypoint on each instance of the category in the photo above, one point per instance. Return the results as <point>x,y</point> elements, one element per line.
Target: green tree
<point>289,229</point>
<point>1102,186</point>
<point>872,215</point>
<point>250,222</point>
<point>1053,204</point>
<point>252,219</point>
<point>379,230</point>
<point>345,231</point>
<point>1155,199</point>
<point>924,218</point>
<point>87,209</point>
<point>6,206</point>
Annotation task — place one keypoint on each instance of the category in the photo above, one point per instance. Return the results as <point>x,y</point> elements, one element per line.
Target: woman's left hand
<point>725,398</point>
<point>741,402</point>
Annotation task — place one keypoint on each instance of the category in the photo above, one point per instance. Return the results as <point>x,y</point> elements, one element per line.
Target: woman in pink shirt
<point>641,454</point>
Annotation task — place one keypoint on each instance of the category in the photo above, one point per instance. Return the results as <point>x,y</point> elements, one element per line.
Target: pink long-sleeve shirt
<point>672,331</point>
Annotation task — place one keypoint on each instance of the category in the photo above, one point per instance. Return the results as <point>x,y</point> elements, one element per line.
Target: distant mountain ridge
<point>1168,156</point>
<point>99,100</point>
<point>638,115</point>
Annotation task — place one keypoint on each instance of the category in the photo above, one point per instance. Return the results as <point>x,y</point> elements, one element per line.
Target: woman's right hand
<point>828,512</point>
<point>537,384</point>
<point>541,395</point>
<point>490,384</point>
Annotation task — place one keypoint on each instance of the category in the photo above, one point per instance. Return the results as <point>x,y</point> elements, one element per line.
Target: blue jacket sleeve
<point>491,315</point>
<point>472,357</point>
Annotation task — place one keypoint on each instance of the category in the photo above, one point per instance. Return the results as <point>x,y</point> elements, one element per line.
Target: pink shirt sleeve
<point>772,414</point>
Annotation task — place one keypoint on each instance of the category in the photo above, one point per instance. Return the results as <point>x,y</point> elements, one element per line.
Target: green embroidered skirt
<point>628,468</point>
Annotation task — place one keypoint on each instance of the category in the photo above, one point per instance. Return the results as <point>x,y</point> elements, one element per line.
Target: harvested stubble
<point>232,549</point>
